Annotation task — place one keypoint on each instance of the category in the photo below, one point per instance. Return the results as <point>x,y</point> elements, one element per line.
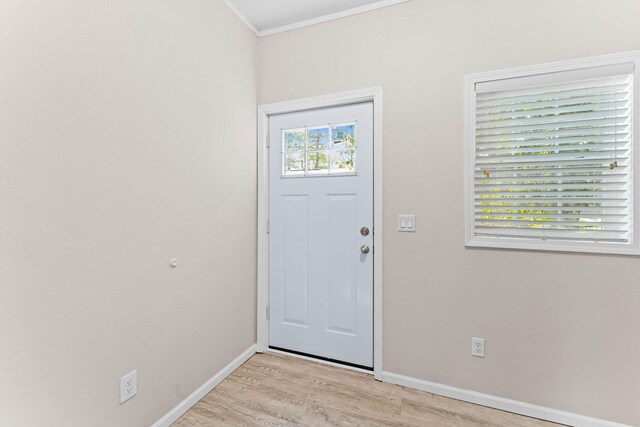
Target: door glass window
<point>318,139</point>
<point>319,151</point>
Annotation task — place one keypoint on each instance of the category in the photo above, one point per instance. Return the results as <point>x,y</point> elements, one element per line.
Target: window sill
<point>553,245</point>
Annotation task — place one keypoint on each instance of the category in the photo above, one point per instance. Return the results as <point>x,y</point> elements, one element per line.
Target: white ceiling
<point>271,16</point>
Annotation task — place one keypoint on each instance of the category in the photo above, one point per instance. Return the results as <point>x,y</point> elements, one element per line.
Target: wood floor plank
<point>276,390</point>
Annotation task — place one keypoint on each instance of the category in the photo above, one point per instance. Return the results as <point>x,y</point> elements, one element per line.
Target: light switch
<point>407,223</point>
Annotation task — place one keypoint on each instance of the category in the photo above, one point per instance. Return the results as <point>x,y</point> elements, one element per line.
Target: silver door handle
<point>364,249</point>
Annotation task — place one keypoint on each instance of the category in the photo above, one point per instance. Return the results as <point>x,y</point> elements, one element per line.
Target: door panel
<point>320,195</point>
<point>342,280</point>
<point>295,245</point>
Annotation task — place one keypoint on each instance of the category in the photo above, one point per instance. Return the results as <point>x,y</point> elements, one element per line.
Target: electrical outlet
<point>128,386</point>
<point>477,347</point>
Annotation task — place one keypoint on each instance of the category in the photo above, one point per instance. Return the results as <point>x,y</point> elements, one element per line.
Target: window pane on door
<point>317,162</point>
<point>343,136</point>
<point>318,139</point>
<point>294,140</point>
<point>294,164</point>
<point>343,161</point>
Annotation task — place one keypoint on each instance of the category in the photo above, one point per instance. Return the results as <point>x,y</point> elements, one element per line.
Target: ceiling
<point>272,16</point>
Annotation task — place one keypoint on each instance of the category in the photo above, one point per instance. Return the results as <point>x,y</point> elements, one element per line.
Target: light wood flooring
<point>276,390</point>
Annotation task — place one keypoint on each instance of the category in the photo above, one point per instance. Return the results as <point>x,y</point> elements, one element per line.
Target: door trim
<point>335,100</point>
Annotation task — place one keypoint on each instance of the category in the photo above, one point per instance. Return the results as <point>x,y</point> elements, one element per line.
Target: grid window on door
<point>319,151</point>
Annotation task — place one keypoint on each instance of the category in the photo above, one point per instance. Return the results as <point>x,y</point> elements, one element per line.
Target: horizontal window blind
<point>553,160</point>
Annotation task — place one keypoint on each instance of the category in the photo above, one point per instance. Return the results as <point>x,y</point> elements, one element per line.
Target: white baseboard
<point>503,404</point>
<point>173,415</point>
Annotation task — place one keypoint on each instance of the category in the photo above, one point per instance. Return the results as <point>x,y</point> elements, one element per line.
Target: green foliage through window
<point>319,150</point>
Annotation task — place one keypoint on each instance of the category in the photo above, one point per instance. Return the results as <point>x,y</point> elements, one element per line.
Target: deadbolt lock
<point>364,231</point>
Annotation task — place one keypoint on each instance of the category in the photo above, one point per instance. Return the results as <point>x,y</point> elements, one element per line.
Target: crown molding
<point>313,21</point>
<point>241,16</point>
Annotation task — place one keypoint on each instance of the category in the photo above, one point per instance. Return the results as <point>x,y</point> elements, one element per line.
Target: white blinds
<point>553,160</point>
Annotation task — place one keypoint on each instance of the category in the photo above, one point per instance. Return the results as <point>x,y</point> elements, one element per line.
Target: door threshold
<point>323,360</point>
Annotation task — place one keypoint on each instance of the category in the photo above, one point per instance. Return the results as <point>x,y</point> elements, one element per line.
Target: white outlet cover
<point>128,386</point>
<point>477,347</point>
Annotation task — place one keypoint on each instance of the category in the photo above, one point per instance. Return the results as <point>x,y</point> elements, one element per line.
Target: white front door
<point>321,233</point>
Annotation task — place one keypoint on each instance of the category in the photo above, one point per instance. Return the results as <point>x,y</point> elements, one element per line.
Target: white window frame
<point>471,240</point>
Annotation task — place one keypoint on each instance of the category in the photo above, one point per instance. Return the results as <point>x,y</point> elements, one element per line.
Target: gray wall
<point>561,330</point>
<point>127,138</point>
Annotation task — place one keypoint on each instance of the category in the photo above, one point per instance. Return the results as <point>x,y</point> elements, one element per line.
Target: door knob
<point>364,231</point>
<point>364,249</point>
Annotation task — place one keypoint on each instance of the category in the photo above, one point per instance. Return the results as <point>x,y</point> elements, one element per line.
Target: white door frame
<point>264,111</point>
